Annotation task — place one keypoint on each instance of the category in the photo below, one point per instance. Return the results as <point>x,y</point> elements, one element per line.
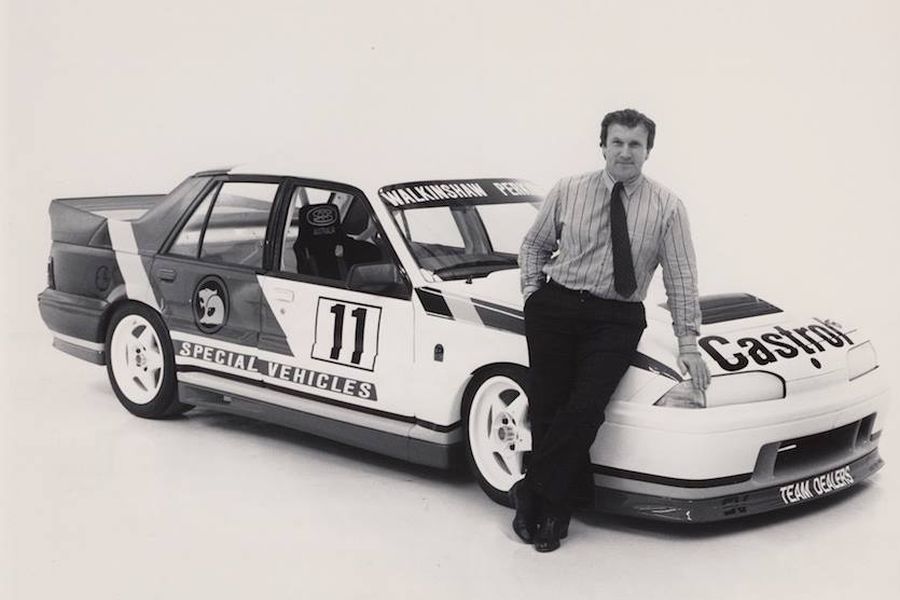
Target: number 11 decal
<point>347,333</point>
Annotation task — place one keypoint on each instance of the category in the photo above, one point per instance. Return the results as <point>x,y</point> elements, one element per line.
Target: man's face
<point>625,151</point>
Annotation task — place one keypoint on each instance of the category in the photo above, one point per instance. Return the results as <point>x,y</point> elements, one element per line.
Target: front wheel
<point>497,430</point>
<point>140,363</point>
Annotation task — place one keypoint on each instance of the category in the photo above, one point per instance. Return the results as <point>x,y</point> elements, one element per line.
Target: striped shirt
<point>574,220</point>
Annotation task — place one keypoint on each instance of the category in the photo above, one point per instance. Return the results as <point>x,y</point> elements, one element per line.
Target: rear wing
<point>78,220</point>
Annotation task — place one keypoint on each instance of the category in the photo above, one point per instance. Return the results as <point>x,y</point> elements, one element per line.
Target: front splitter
<point>731,506</point>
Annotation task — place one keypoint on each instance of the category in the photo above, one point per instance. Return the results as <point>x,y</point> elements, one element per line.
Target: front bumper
<point>733,505</point>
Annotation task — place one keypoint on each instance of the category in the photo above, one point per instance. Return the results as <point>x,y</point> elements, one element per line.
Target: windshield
<point>461,237</point>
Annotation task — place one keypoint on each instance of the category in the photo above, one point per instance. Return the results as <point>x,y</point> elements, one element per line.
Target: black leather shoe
<point>525,521</point>
<point>549,534</point>
<point>564,527</point>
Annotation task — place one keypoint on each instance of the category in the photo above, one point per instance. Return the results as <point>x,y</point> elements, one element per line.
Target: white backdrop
<point>777,121</point>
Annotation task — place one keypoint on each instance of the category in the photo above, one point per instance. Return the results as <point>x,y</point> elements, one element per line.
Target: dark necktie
<point>623,267</point>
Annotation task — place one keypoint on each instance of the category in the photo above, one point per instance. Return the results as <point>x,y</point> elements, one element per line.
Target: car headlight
<point>725,390</point>
<point>683,395</point>
<point>861,359</point>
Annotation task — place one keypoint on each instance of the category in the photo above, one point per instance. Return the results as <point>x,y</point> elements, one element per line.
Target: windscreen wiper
<point>487,262</point>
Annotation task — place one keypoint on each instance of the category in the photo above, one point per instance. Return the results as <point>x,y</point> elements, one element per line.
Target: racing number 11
<point>333,318</point>
<point>360,315</point>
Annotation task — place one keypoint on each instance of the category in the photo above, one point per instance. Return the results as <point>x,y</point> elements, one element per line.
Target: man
<point>583,312</point>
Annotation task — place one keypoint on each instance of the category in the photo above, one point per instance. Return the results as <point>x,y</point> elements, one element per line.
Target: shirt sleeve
<point>679,264</point>
<point>540,243</point>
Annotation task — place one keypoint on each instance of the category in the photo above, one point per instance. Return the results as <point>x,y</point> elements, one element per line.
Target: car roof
<point>371,174</point>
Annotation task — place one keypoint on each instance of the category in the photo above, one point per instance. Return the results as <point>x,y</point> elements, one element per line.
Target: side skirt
<point>398,439</point>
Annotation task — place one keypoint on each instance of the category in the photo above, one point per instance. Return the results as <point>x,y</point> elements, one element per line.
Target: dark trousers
<point>579,347</point>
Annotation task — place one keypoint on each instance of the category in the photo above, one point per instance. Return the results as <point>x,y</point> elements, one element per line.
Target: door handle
<point>283,295</point>
<point>167,274</point>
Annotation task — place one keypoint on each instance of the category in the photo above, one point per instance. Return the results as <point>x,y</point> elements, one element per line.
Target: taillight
<point>51,280</point>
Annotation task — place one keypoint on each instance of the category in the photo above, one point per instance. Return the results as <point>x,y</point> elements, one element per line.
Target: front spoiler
<point>730,506</point>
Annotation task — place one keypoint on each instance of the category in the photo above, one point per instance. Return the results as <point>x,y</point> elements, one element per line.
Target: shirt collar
<point>609,182</point>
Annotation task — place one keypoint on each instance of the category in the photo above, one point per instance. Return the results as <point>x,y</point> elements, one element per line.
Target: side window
<point>327,233</point>
<point>236,230</point>
<point>188,241</point>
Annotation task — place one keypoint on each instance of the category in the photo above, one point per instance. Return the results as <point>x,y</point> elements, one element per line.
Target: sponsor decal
<point>322,216</point>
<point>516,188</point>
<point>441,192</point>
<point>775,345</point>
<point>210,304</point>
<point>314,380</point>
<point>816,486</point>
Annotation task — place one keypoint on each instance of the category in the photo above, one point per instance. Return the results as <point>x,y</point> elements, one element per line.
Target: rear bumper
<point>732,505</point>
<point>75,322</point>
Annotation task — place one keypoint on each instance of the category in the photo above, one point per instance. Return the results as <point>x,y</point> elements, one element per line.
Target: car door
<point>208,277</point>
<point>323,340</point>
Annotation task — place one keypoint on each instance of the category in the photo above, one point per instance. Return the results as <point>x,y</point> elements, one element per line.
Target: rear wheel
<point>497,430</point>
<point>140,363</point>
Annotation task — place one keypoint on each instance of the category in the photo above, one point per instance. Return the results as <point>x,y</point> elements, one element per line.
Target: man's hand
<point>692,362</point>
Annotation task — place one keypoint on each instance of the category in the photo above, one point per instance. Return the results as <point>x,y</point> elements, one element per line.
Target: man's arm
<point>679,265</point>
<point>539,244</point>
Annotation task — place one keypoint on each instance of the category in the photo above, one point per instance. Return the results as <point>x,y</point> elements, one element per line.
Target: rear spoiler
<point>78,220</point>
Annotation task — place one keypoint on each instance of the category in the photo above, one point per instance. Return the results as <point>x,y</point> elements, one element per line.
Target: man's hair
<point>629,118</point>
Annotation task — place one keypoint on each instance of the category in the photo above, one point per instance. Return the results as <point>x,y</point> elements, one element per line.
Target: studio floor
<point>97,503</point>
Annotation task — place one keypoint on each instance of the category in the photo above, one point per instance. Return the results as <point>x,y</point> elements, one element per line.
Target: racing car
<point>386,314</point>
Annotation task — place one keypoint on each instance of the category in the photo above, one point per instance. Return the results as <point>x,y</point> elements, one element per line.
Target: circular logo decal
<point>210,304</point>
<point>322,217</point>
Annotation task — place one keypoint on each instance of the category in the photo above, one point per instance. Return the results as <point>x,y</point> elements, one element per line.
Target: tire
<point>140,363</point>
<point>496,429</point>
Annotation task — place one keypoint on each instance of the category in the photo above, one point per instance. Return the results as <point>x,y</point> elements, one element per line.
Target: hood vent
<point>719,308</point>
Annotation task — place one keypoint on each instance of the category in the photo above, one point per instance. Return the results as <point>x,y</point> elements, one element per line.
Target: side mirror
<point>378,278</point>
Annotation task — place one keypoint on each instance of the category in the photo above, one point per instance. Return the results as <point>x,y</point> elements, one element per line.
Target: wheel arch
<point>476,375</point>
<point>115,304</point>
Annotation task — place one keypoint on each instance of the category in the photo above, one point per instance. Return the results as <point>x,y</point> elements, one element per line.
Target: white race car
<point>387,315</point>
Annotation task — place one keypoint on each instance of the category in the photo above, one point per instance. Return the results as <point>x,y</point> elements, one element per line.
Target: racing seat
<point>323,248</point>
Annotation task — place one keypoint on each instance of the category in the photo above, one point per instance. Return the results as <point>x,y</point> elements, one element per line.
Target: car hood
<point>790,346</point>
<point>740,333</point>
